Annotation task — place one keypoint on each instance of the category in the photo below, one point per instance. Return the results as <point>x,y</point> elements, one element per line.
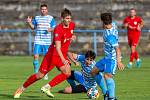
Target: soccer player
<point>43,26</point>
<point>85,78</point>
<point>112,59</point>
<point>133,24</point>
<point>56,56</point>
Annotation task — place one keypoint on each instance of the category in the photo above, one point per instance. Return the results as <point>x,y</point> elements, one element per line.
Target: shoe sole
<point>47,94</point>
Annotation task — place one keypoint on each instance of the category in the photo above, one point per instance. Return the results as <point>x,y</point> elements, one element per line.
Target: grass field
<point>131,84</point>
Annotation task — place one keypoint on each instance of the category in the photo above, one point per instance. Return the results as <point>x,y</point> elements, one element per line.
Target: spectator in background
<point>43,26</point>
<point>133,23</point>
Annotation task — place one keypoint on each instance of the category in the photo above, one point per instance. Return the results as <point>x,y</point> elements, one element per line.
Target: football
<point>93,93</point>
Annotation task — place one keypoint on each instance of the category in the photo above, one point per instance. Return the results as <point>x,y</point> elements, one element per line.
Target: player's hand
<point>29,19</point>
<point>138,28</point>
<point>131,27</point>
<point>76,63</point>
<point>66,62</point>
<point>120,66</point>
<point>49,30</point>
<point>73,38</point>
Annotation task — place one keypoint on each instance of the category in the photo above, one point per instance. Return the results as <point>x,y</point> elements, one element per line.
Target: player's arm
<point>118,56</point>
<point>52,24</point>
<point>112,40</point>
<point>127,25</point>
<point>73,57</point>
<point>58,49</point>
<point>141,25</point>
<point>29,22</point>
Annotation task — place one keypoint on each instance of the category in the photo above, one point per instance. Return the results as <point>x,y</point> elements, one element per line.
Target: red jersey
<point>64,35</point>
<point>134,23</point>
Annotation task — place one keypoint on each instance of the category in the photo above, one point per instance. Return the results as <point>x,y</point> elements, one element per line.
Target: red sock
<point>131,57</point>
<point>58,79</point>
<point>30,81</point>
<point>136,55</point>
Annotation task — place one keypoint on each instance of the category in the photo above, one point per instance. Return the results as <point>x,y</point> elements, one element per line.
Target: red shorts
<point>133,39</point>
<point>49,62</point>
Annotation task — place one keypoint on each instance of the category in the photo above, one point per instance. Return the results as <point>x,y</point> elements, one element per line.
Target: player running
<point>56,56</point>
<point>133,24</point>
<point>112,58</point>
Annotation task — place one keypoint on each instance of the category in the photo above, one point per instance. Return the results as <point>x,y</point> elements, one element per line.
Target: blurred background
<point>17,39</point>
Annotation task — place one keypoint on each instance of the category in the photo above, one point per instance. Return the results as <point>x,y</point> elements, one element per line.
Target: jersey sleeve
<point>112,40</point>
<point>80,58</point>
<point>53,23</point>
<point>125,20</point>
<point>72,25</point>
<point>57,35</point>
<point>34,22</point>
<point>140,20</point>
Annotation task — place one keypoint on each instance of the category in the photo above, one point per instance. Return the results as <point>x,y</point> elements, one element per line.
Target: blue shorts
<point>40,49</point>
<point>107,65</point>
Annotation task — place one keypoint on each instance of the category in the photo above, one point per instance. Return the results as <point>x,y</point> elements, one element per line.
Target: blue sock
<point>111,87</point>
<point>78,77</point>
<point>36,66</point>
<point>101,82</point>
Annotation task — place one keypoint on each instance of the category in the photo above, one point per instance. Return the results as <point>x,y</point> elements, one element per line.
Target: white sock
<point>23,88</point>
<point>138,59</point>
<point>130,63</point>
<point>47,86</point>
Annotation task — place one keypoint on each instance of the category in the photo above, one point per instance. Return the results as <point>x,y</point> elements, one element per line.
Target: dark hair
<point>65,13</point>
<point>106,18</point>
<point>133,9</point>
<point>90,54</point>
<point>43,5</point>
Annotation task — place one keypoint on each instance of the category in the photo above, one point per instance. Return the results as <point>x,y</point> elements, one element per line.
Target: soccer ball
<point>92,93</point>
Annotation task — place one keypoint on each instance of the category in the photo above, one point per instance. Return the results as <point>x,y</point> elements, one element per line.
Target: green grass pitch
<point>131,84</point>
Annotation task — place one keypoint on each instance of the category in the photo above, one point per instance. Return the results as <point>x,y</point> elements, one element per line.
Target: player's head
<point>132,12</point>
<point>106,18</point>
<point>66,16</point>
<point>43,9</point>
<point>89,57</point>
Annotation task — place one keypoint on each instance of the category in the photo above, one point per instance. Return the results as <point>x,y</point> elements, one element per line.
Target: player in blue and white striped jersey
<point>43,26</point>
<point>84,77</point>
<point>112,58</point>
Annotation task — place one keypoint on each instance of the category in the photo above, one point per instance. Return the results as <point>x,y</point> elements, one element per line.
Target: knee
<point>36,57</point>
<point>106,75</point>
<point>39,76</point>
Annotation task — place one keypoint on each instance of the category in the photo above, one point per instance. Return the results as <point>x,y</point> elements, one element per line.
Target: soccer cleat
<point>112,98</point>
<point>138,63</point>
<point>106,96</point>
<point>18,93</point>
<point>129,65</point>
<point>47,92</point>
<point>46,77</point>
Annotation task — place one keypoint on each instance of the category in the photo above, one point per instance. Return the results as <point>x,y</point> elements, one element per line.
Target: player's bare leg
<point>33,78</point>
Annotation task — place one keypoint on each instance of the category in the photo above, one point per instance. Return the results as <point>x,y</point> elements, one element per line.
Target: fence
<point>94,32</point>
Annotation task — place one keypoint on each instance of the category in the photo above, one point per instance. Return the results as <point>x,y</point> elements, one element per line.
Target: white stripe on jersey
<point>86,72</point>
<point>109,49</point>
<point>42,23</point>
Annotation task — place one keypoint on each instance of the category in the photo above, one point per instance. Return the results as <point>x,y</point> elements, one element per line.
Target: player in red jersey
<point>56,56</point>
<point>133,23</point>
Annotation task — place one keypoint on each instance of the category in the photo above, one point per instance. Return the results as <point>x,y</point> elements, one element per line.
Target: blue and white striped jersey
<point>110,38</point>
<point>88,79</point>
<point>41,25</point>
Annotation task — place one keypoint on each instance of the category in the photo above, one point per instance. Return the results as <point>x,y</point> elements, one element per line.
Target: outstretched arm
<point>29,22</point>
<point>72,57</point>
